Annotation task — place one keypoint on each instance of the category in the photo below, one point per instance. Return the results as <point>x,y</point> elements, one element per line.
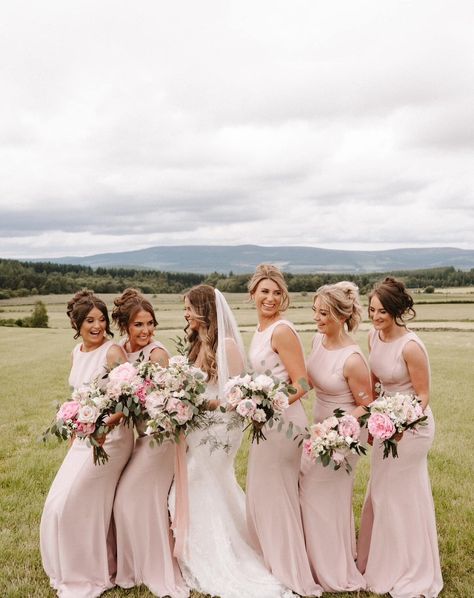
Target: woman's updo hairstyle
<point>203,301</point>
<point>127,305</point>
<point>79,307</point>
<point>395,299</point>
<point>342,301</point>
<point>270,272</point>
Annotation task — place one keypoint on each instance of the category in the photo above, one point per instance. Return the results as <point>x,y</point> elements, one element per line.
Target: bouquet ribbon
<point>181,506</point>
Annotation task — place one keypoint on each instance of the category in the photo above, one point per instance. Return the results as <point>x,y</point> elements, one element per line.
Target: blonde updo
<point>342,300</point>
<point>270,272</point>
<point>80,305</point>
<point>127,305</point>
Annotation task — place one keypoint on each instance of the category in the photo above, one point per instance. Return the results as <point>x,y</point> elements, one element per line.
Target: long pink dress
<point>75,525</point>
<point>398,544</point>
<point>144,541</point>
<point>325,494</point>
<point>273,509</point>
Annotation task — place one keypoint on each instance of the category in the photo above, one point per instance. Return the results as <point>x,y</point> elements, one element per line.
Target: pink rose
<point>142,391</point>
<point>307,448</point>
<point>68,410</point>
<point>349,426</point>
<point>381,426</point>
<point>234,395</point>
<point>280,402</point>
<point>246,407</point>
<point>181,412</point>
<point>85,429</point>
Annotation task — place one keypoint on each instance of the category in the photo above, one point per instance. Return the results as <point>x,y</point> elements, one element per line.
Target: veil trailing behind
<point>218,559</point>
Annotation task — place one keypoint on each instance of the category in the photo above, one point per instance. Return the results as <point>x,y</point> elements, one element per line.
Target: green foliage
<point>21,279</point>
<point>429,289</point>
<point>38,319</point>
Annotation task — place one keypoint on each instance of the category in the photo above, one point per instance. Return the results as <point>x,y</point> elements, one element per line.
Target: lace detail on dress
<point>219,559</point>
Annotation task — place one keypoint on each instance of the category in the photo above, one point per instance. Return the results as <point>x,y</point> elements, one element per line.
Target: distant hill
<point>243,259</point>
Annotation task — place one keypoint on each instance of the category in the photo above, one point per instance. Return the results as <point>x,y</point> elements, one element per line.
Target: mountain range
<point>242,259</point>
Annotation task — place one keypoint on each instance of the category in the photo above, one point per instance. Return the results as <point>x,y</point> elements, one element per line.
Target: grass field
<point>34,365</point>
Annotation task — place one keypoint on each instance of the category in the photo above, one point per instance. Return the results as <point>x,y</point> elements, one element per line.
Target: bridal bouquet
<point>174,399</point>
<point>126,388</point>
<point>82,416</point>
<point>389,415</point>
<point>333,440</point>
<point>258,399</point>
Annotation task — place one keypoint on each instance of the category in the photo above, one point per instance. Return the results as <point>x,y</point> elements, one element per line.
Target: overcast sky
<point>339,124</point>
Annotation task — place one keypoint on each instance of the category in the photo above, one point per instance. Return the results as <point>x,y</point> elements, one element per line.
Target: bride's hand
<point>212,405</point>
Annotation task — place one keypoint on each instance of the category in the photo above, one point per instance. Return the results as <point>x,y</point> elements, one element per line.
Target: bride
<point>217,557</point>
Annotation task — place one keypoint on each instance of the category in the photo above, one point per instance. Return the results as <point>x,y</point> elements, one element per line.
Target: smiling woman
<point>78,509</point>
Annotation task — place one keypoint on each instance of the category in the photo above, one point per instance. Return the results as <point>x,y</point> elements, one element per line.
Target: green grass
<point>34,366</point>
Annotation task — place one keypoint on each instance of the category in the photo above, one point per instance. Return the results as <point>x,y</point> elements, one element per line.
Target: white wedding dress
<point>218,559</point>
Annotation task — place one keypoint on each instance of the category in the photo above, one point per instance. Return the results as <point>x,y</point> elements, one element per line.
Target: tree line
<point>22,278</point>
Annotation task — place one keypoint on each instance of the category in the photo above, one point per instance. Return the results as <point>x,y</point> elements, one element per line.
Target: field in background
<point>34,365</point>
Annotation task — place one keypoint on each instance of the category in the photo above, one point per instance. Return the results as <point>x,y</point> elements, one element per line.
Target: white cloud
<point>337,124</point>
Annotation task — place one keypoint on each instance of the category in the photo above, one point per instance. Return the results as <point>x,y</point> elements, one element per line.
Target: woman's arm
<point>160,356</point>
<point>418,368</point>
<point>357,374</point>
<point>287,345</point>
<point>115,356</point>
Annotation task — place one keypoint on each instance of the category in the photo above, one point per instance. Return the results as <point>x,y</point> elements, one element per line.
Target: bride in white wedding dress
<point>218,559</point>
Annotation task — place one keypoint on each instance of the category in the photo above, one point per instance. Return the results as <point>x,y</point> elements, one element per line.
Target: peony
<point>154,402</point>
<point>263,382</point>
<point>381,426</point>
<point>124,373</point>
<point>68,410</point>
<point>349,426</point>
<point>87,414</point>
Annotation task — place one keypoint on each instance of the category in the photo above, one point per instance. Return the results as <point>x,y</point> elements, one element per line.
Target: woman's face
<point>380,317</point>
<point>268,298</point>
<point>326,323</point>
<point>191,317</point>
<point>140,330</point>
<point>93,328</point>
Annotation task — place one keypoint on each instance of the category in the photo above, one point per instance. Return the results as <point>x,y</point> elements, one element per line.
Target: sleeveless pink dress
<point>398,544</point>
<point>325,494</point>
<point>75,529</point>
<point>273,509</point>
<point>144,540</point>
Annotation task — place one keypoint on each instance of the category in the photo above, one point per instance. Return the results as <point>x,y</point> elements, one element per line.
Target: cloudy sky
<point>339,124</point>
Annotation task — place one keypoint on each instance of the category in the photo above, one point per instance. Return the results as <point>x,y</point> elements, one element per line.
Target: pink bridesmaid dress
<point>273,508</point>
<point>144,540</point>
<point>75,529</point>
<point>398,544</point>
<point>326,494</point>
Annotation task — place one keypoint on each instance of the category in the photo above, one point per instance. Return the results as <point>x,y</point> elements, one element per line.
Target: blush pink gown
<point>144,540</point>
<point>75,529</point>
<point>273,508</point>
<point>398,544</point>
<point>325,494</point>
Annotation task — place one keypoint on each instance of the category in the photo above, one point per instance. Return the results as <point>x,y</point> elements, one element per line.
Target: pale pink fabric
<point>144,540</point>
<point>326,495</point>
<point>75,531</point>
<point>273,509</point>
<point>398,545</point>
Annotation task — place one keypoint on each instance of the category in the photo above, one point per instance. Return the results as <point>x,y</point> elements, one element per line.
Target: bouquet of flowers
<point>173,397</point>
<point>332,440</point>
<point>127,384</point>
<point>390,415</point>
<point>82,416</point>
<point>258,400</point>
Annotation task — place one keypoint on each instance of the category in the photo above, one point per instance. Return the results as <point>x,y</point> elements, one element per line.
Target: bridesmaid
<point>144,539</point>
<point>75,530</point>
<point>398,545</point>
<point>339,373</point>
<point>273,509</point>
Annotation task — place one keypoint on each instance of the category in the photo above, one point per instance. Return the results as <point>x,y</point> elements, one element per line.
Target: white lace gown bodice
<point>218,557</point>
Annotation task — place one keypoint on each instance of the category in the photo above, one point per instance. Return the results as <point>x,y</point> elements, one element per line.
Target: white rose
<point>87,414</point>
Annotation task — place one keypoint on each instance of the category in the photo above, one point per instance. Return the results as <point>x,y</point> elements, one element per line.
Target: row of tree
<point>43,278</point>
